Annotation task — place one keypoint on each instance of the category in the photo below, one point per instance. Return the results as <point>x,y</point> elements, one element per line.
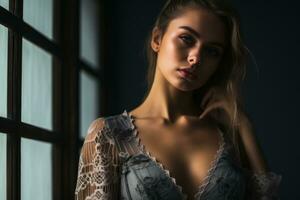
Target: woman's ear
<point>156,39</point>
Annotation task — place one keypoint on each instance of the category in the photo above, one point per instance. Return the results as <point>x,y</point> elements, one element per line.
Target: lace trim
<point>213,165</point>
<point>265,185</point>
<point>98,166</point>
<point>205,181</point>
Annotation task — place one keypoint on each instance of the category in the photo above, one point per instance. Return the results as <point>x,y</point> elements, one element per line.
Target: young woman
<point>190,137</point>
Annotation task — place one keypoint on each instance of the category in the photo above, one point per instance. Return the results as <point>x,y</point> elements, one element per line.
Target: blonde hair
<point>232,69</point>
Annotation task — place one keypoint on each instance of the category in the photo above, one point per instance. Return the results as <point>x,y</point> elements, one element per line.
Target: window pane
<point>36,86</point>
<point>89,33</point>
<point>2,166</point>
<point>4,4</point>
<point>88,101</point>
<point>3,71</point>
<point>36,170</point>
<point>39,14</point>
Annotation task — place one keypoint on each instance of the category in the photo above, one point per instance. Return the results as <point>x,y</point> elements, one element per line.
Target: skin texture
<point>171,96</point>
<point>169,118</point>
<point>181,47</point>
<point>178,48</point>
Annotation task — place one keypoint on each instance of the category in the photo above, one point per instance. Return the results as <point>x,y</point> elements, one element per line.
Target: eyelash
<point>187,39</point>
<point>213,51</point>
<point>190,40</point>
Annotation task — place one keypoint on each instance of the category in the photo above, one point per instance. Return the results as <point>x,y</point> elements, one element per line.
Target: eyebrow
<point>198,35</point>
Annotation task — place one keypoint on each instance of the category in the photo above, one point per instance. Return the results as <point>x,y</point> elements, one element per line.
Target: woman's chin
<point>186,87</point>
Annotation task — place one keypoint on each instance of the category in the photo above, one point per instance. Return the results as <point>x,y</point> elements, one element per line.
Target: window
<point>88,101</point>
<point>3,70</point>
<point>36,86</point>
<point>26,123</point>
<point>39,14</point>
<point>50,92</point>
<point>89,65</point>
<point>36,170</point>
<point>4,3</point>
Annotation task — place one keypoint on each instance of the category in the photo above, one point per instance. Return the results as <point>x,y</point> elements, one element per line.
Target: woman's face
<point>194,41</point>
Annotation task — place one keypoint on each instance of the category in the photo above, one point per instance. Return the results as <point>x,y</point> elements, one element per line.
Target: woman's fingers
<point>206,98</point>
<point>217,101</point>
<point>209,109</point>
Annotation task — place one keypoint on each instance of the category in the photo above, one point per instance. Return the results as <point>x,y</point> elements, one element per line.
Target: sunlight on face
<point>196,36</point>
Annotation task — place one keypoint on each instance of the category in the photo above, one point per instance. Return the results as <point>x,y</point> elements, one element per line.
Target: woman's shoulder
<point>94,128</point>
<point>111,124</point>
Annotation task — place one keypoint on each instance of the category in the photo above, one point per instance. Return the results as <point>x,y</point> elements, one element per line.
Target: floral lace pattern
<point>98,166</point>
<point>112,157</point>
<point>213,164</point>
<point>264,186</point>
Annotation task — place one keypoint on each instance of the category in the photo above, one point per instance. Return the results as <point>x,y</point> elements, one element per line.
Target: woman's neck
<point>168,102</point>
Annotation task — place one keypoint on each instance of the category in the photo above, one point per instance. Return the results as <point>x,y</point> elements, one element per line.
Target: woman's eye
<point>187,39</point>
<point>213,51</point>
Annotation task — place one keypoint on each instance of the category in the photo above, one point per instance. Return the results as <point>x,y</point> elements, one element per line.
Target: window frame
<point>67,64</point>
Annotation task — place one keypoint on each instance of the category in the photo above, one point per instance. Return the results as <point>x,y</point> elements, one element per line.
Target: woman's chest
<point>158,165</point>
<point>144,178</point>
<point>188,154</point>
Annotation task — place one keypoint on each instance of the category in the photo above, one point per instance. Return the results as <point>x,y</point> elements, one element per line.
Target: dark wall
<point>129,23</point>
<point>272,34</point>
<point>272,88</point>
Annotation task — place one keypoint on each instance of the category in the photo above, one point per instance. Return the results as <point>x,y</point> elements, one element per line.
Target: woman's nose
<point>194,59</point>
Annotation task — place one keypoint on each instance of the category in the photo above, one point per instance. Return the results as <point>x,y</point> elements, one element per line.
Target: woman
<point>190,138</point>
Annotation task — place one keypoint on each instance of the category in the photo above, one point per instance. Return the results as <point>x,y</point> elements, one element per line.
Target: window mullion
<point>14,106</point>
<point>57,111</point>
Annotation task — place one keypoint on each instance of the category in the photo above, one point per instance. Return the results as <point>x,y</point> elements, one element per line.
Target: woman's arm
<point>251,145</point>
<point>98,176</point>
<point>263,184</point>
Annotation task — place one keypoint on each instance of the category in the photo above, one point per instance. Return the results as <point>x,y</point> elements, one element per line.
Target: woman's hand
<point>221,106</point>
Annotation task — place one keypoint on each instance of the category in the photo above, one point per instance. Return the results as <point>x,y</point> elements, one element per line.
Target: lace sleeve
<point>263,186</point>
<point>98,177</point>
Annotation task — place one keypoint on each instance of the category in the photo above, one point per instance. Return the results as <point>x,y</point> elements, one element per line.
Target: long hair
<point>232,70</point>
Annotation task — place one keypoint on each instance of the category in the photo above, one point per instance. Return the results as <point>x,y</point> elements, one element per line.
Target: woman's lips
<point>186,74</point>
